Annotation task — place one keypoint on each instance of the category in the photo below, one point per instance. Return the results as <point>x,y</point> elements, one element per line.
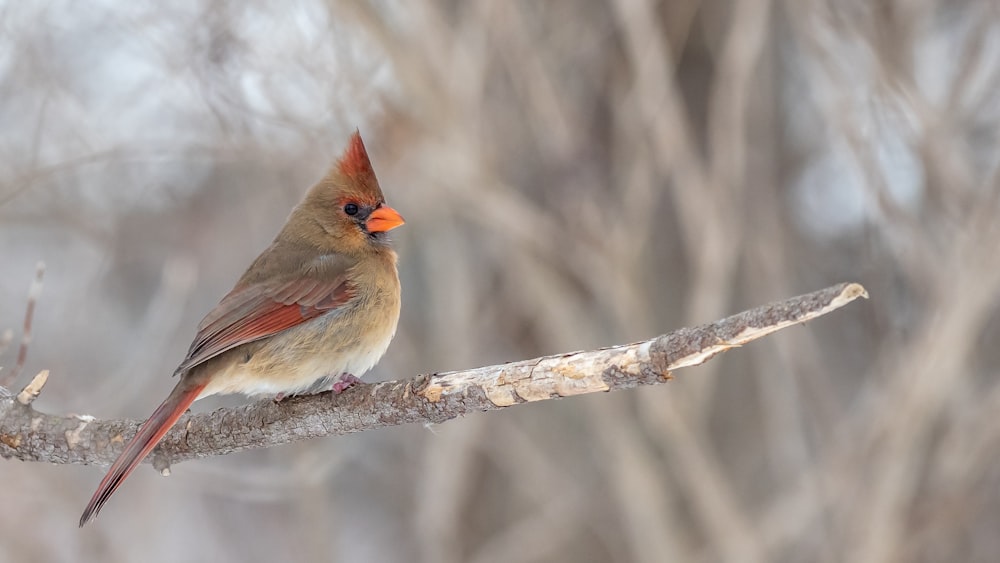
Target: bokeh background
<point>575,173</point>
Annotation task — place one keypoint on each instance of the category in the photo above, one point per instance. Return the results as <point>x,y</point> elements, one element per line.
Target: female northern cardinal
<point>320,304</point>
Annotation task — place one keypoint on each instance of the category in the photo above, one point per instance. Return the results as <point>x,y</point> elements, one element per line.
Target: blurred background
<point>574,174</point>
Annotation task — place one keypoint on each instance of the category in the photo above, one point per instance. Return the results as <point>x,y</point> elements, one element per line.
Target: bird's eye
<point>351,209</point>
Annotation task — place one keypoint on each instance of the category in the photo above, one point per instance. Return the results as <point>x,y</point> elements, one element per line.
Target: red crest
<point>354,162</point>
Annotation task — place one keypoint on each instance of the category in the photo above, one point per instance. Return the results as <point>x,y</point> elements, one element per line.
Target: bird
<point>317,307</point>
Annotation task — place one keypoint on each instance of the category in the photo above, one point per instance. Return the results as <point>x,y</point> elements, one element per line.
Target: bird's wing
<point>255,311</point>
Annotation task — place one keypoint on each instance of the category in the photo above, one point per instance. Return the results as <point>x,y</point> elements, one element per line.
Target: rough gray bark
<point>29,435</point>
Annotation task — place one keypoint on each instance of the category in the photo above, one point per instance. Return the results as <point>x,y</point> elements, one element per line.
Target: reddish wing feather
<point>251,313</point>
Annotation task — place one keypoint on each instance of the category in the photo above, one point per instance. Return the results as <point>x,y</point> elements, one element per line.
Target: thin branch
<point>6,337</point>
<point>29,435</point>
<point>22,353</point>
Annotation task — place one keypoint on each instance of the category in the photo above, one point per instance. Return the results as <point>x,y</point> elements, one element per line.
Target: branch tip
<point>33,389</point>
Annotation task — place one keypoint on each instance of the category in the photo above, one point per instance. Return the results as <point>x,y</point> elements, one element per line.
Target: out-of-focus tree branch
<point>22,354</point>
<point>29,435</point>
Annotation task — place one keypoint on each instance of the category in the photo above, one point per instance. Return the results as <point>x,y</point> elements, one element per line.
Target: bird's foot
<point>279,397</point>
<point>345,382</point>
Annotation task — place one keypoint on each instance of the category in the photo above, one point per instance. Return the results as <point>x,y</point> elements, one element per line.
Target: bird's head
<point>346,211</point>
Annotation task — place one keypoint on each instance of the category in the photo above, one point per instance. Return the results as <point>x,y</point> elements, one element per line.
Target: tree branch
<point>22,353</point>
<point>29,435</point>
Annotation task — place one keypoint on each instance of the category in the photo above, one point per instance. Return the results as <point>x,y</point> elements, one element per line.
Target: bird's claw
<point>345,382</point>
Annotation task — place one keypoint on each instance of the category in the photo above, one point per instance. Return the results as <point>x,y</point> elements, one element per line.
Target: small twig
<point>22,353</point>
<point>5,339</point>
<point>31,390</point>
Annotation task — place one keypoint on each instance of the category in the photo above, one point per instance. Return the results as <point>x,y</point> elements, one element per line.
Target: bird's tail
<point>149,434</point>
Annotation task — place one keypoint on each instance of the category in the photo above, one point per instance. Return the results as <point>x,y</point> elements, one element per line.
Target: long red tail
<point>149,434</point>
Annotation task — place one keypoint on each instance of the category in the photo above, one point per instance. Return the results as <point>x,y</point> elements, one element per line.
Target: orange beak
<point>383,219</point>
